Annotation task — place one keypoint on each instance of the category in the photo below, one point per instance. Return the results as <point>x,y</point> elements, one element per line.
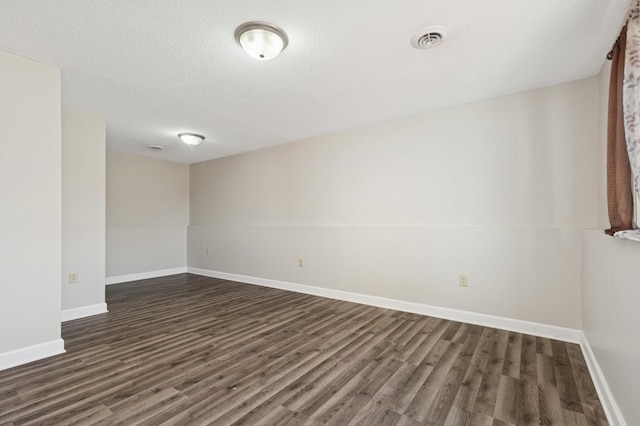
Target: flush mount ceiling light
<point>261,40</point>
<point>192,139</point>
<point>429,37</point>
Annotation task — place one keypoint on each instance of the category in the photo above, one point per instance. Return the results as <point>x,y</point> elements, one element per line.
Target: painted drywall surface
<point>517,161</point>
<point>83,208</point>
<point>138,249</point>
<point>147,214</point>
<point>611,297</point>
<point>611,290</point>
<point>511,272</point>
<point>30,190</point>
<point>493,190</point>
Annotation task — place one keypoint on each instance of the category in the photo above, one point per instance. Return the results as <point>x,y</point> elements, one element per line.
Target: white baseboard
<point>533,328</point>
<point>611,409</point>
<point>145,275</point>
<point>31,353</point>
<point>84,311</point>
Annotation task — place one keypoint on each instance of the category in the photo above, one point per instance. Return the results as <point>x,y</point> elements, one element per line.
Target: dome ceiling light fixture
<point>192,139</point>
<point>261,40</point>
<point>429,37</point>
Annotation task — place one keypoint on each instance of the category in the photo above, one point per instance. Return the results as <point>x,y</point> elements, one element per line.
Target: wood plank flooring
<point>192,350</point>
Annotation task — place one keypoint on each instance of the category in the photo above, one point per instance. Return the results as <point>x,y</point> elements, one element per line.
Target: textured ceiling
<point>156,68</point>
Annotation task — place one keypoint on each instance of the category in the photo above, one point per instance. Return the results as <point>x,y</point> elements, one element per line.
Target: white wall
<point>611,296</point>
<point>30,216</point>
<point>83,208</point>
<point>147,214</point>
<point>493,190</point>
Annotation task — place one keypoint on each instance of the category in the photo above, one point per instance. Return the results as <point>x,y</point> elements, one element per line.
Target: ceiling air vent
<point>429,37</point>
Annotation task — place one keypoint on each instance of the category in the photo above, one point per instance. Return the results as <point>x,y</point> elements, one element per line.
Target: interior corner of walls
<point>611,409</point>
<point>32,353</point>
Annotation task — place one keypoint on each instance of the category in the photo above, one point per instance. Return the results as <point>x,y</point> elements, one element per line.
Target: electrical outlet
<point>300,263</point>
<point>464,281</point>
<point>73,277</point>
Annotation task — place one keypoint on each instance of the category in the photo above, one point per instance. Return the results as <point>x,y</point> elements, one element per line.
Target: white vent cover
<point>429,37</point>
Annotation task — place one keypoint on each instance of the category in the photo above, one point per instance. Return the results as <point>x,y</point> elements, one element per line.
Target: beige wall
<point>30,216</point>
<point>494,190</point>
<point>516,161</point>
<point>147,214</point>
<point>611,295</point>
<point>83,208</point>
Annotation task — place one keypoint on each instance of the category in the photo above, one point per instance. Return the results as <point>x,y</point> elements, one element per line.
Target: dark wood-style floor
<point>192,350</point>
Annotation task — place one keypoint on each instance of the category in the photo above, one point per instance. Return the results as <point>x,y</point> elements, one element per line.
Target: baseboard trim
<point>84,311</point>
<point>520,326</point>
<point>145,275</point>
<point>31,353</point>
<point>611,409</point>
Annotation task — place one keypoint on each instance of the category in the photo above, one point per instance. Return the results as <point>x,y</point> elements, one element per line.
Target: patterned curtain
<point>623,152</point>
<point>631,97</point>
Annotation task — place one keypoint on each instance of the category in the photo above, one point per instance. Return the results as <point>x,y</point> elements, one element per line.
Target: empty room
<point>304,213</point>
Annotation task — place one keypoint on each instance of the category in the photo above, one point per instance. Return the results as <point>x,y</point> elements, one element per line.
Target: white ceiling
<point>156,68</point>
